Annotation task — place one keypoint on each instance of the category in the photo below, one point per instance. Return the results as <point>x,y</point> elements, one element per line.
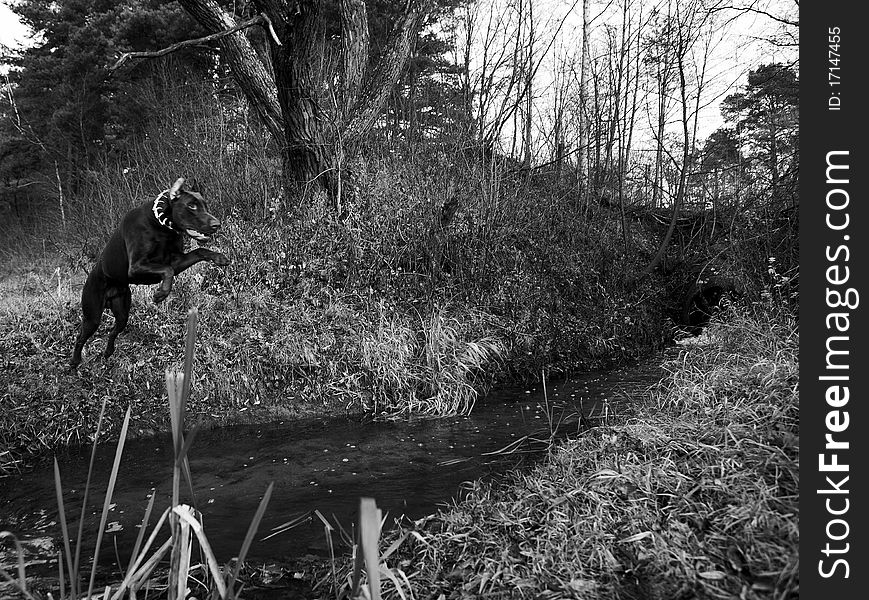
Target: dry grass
<point>695,496</point>
<point>393,311</point>
<point>437,366</point>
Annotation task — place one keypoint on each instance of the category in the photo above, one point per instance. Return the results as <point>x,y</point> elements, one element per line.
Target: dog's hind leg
<point>92,304</point>
<point>119,302</point>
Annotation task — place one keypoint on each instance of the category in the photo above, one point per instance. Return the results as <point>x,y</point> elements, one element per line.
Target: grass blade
<point>394,546</point>
<point>185,449</point>
<point>183,544</point>
<point>74,574</point>
<point>142,529</point>
<point>173,390</point>
<point>206,549</point>
<point>294,522</point>
<point>60,578</point>
<point>251,531</point>
<point>109,490</point>
<point>175,383</point>
<point>391,576</point>
<point>189,347</point>
<point>369,534</point>
<point>134,570</point>
<point>327,531</point>
<point>145,570</point>
<point>356,580</point>
<point>61,514</point>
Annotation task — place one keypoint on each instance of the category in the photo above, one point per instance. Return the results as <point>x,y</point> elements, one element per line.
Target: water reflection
<point>410,467</point>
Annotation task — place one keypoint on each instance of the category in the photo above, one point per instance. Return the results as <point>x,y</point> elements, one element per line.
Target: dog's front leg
<point>143,270</point>
<point>186,261</point>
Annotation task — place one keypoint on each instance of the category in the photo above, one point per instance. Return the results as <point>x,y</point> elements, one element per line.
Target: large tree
<point>285,93</point>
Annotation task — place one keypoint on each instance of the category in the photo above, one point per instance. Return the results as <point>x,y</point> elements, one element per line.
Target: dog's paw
<point>160,295</point>
<point>219,259</point>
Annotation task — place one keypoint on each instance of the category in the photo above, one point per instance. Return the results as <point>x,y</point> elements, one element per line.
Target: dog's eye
<point>193,207</point>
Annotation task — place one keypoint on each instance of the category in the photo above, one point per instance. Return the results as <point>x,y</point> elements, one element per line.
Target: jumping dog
<point>147,248</point>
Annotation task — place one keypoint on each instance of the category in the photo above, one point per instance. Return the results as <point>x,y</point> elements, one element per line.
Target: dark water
<point>410,468</point>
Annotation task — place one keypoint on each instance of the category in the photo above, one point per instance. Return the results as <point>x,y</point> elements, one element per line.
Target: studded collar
<point>159,208</point>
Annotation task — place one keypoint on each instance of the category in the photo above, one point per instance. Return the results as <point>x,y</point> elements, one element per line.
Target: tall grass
<point>694,495</point>
<point>440,368</point>
<point>454,364</point>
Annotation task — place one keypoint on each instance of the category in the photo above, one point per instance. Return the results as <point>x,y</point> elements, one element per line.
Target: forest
<point>424,202</point>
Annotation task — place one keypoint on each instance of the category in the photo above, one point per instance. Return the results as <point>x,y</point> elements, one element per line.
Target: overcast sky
<point>12,32</point>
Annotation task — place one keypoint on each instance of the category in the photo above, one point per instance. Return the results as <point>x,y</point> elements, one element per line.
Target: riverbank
<point>692,495</point>
<point>383,316</point>
<point>689,490</point>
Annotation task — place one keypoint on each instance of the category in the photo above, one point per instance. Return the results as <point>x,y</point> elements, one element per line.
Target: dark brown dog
<point>147,248</point>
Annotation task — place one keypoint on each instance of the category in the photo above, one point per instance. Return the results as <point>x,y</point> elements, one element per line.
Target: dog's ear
<point>176,188</point>
<point>195,186</point>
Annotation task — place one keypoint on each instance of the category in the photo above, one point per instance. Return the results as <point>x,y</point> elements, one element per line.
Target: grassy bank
<point>691,492</point>
<point>695,495</point>
<point>452,271</point>
<point>392,312</point>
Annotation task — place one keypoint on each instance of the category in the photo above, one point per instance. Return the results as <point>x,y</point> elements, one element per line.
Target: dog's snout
<point>214,223</point>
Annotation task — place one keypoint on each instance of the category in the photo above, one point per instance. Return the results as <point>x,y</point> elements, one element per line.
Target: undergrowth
<point>395,311</point>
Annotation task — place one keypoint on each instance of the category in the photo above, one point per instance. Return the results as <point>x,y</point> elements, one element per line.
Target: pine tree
<point>66,104</point>
<point>766,115</point>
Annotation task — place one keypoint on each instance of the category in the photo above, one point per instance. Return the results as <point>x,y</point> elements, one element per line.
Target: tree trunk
<point>356,41</point>
<point>662,81</point>
<point>250,74</point>
<point>582,158</point>
<point>773,151</point>
<point>304,156</point>
<point>683,174</point>
<point>287,102</point>
<point>377,88</point>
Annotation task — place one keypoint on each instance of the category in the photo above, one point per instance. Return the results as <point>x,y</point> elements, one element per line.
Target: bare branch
<point>753,9</point>
<point>257,20</point>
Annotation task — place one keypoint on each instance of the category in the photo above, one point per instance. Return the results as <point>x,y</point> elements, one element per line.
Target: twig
<point>60,196</point>
<point>271,28</point>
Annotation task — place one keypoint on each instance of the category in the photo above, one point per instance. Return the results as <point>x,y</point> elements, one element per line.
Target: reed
<point>362,573</point>
<point>183,522</point>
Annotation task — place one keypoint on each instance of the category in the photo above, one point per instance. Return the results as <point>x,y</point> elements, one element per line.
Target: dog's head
<point>189,211</point>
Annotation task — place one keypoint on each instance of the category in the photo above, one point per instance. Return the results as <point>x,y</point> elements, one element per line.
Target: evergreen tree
<point>66,103</point>
<point>766,116</point>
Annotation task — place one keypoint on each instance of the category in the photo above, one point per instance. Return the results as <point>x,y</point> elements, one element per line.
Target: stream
<point>410,467</point>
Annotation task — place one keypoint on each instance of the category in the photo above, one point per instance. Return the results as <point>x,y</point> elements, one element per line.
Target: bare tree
<point>582,159</point>
<point>511,49</point>
<point>686,22</point>
<point>660,58</point>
